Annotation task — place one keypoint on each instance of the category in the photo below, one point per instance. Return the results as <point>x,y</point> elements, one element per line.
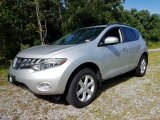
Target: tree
<point>86,13</point>
<point>33,22</point>
<point>42,30</point>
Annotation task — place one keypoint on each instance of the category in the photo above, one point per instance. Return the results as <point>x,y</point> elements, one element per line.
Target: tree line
<point>25,23</point>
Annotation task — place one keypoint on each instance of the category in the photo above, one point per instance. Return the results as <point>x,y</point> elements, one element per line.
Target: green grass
<point>3,75</point>
<point>154,63</point>
<point>154,58</point>
<point>153,45</point>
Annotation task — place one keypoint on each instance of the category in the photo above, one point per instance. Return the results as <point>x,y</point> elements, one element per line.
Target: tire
<point>83,88</point>
<point>142,66</point>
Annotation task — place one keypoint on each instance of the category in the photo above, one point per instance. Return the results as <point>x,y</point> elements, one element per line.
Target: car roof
<point>113,24</point>
<point>94,26</point>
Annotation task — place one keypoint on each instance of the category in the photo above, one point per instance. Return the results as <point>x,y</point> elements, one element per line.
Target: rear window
<point>128,35</point>
<point>136,32</point>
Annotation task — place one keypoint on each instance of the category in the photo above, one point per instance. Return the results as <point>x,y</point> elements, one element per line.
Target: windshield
<point>80,36</point>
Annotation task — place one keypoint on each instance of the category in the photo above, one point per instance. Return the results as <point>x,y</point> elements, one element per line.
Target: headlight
<point>48,63</point>
<point>37,64</point>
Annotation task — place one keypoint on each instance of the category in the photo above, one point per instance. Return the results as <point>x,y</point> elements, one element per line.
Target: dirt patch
<point>124,97</point>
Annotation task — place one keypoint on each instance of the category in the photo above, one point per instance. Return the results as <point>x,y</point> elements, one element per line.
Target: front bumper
<point>44,82</point>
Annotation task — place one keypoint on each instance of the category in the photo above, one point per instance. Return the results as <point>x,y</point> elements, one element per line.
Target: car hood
<point>45,51</point>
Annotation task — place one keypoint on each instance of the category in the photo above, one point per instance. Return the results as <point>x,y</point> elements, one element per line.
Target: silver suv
<point>77,64</point>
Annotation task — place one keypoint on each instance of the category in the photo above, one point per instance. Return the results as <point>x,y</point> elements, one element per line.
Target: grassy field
<point>124,98</point>
<point>3,76</point>
<point>152,45</point>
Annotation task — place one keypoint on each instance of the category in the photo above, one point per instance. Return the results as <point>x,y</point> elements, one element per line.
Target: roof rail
<point>118,24</point>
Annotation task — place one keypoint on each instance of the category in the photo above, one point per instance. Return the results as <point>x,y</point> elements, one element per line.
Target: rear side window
<point>128,35</point>
<point>136,33</point>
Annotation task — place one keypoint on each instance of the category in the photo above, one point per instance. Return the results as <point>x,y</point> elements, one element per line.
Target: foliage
<point>87,13</point>
<point>4,62</point>
<point>147,24</point>
<point>20,26</point>
<point>153,45</point>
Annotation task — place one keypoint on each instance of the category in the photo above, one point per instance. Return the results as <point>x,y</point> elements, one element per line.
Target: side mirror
<point>111,40</point>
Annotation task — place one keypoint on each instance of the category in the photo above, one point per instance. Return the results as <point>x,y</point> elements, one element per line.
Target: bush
<point>10,51</point>
<point>4,62</point>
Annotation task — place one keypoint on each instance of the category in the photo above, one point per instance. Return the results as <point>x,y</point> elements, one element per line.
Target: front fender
<point>75,64</point>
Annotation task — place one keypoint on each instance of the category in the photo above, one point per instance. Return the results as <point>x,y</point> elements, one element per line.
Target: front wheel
<point>83,88</point>
<point>142,66</point>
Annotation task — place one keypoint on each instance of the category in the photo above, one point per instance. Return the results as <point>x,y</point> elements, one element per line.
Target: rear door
<point>131,40</point>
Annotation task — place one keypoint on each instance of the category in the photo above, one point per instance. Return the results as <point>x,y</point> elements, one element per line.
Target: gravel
<point>125,97</point>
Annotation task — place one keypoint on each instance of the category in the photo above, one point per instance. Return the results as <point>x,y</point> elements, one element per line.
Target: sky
<point>153,6</point>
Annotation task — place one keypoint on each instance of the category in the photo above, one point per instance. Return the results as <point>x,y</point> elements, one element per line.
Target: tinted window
<point>128,35</point>
<point>136,33</point>
<point>80,36</point>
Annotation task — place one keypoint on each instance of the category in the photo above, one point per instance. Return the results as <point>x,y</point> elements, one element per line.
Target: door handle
<point>125,50</point>
<point>139,46</point>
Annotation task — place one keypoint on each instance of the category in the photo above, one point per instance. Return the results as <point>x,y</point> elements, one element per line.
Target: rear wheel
<point>142,66</point>
<point>83,88</point>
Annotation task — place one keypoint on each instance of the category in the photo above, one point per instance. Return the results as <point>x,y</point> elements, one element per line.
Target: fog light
<point>44,86</point>
<point>10,79</point>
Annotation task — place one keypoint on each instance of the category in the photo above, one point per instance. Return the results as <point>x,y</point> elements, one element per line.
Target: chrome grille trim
<point>25,63</point>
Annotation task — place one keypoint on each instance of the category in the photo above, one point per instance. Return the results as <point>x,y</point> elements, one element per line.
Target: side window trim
<point>120,34</point>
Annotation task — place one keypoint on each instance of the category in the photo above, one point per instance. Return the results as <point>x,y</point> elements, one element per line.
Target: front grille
<point>25,63</point>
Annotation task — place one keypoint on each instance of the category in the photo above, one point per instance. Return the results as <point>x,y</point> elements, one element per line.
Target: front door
<point>114,57</point>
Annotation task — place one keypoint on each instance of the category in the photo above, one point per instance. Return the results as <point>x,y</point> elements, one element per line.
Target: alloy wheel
<point>85,88</point>
<point>143,66</point>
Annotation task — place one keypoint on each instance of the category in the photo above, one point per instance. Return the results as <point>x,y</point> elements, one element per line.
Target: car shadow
<point>57,99</point>
<point>109,83</point>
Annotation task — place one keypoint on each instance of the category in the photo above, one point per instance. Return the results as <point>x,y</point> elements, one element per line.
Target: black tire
<point>72,97</point>
<point>138,71</point>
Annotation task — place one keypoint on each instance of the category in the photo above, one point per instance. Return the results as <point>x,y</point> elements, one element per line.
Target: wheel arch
<point>145,54</point>
<point>90,65</point>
